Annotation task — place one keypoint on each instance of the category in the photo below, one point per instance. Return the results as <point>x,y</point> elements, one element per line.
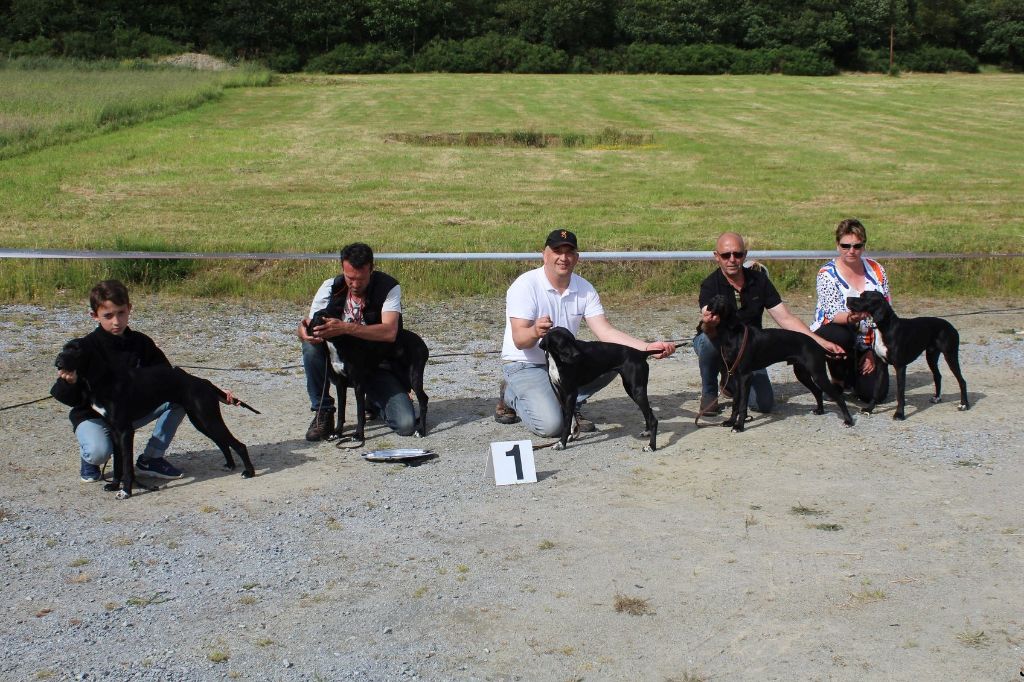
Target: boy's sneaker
<point>90,472</point>
<point>158,467</point>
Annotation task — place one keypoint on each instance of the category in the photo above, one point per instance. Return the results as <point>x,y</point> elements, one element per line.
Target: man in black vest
<point>372,302</point>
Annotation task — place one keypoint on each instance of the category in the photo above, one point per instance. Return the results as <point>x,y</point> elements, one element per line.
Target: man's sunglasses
<point>726,255</point>
<point>845,247</point>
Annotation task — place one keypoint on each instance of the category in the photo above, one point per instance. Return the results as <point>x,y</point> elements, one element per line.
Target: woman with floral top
<point>851,273</point>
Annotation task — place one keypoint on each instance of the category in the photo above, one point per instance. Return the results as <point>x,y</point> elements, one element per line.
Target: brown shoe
<point>585,425</point>
<point>322,425</point>
<point>503,414</point>
<point>709,405</point>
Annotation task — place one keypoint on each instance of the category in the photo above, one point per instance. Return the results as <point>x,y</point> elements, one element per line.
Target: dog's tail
<point>247,406</point>
<point>240,403</point>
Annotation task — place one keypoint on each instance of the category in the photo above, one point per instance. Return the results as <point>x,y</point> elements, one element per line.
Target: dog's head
<point>317,320</point>
<point>560,344</point>
<point>725,307</point>
<point>69,358</point>
<point>872,303</point>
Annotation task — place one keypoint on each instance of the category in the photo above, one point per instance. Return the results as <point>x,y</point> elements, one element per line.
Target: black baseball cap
<point>561,238</point>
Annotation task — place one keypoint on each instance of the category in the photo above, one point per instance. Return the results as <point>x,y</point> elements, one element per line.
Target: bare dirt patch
<point>197,61</point>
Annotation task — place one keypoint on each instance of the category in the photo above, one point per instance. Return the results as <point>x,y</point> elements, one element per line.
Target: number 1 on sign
<point>511,462</point>
<point>514,452</point>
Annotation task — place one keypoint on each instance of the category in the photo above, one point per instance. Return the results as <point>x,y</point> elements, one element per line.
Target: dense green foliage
<point>445,162</point>
<point>530,35</point>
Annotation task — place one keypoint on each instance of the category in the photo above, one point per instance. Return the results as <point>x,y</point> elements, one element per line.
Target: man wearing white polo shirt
<point>551,296</point>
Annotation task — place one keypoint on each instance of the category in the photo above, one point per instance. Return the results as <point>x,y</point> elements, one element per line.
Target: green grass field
<point>929,163</point>
<point>46,107</point>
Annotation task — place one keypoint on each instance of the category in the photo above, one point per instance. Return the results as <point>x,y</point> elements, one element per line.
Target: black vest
<point>376,292</point>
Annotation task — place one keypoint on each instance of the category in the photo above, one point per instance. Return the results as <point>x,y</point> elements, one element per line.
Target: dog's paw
<point>123,495</point>
<point>648,448</point>
<point>112,486</point>
<point>935,399</point>
<point>729,422</point>
<point>248,474</point>
<point>558,446</point>
<point>900,416</point>
<point>818,411</point>
<point>738,428</point>
<point>963,406</point>
<point>848,422</point>
<point>868,409</point>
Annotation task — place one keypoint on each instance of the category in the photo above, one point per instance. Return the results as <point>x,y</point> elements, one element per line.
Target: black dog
<point>573,364</point>
<point>128,395</point>
<point>903,341</point>
<point>353,360</point>
<point>745,349</point>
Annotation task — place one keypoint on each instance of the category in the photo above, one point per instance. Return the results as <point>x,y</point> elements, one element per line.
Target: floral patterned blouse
<point>833,291</point>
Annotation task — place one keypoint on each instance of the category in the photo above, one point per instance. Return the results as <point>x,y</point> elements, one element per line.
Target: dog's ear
<point>570,352</point>
<point>564,343</point>
<point>67,358</point>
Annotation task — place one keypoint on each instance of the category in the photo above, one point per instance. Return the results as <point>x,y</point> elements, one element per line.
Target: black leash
<point>27,402</point>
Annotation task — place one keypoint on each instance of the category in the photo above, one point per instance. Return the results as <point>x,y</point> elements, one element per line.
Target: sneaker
<point>90,472</point>
<point>585,425</point>
<point>158,467</point>
<point>322,425</point>
<point>503,414</point>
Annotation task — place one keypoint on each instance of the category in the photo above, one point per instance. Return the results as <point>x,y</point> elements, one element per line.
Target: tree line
<point>667,36</point>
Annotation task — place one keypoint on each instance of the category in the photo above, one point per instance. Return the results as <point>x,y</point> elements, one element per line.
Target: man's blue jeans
<point>709,361</point>
<point>528,391</point>
<point>384,394</point>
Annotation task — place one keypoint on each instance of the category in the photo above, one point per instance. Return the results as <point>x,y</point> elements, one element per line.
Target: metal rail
<point>588,255</point>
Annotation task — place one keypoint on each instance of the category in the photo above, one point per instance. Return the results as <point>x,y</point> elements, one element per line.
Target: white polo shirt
<point>532,296</point>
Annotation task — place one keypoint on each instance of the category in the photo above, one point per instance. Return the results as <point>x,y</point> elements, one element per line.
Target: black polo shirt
<point>757,293</point>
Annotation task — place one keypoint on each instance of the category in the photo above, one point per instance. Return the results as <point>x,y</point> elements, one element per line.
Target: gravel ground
<point>797,550</point>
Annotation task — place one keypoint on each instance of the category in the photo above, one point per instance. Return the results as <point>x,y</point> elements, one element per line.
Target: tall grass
<point>48,102</point>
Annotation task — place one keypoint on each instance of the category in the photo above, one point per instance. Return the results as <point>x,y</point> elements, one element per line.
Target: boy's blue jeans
<point>94,435</point>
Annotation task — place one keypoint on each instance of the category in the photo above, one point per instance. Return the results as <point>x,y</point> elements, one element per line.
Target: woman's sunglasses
<point>845,247</point>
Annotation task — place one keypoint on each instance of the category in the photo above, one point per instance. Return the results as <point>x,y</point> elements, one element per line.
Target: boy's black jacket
<point>104,354</point>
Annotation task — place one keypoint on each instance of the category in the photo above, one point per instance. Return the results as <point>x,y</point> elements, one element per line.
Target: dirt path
<point>799,549</point>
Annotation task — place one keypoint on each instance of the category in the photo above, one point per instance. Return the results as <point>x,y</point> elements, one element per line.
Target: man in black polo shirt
<point>754,294</point>
<point>372,304</point>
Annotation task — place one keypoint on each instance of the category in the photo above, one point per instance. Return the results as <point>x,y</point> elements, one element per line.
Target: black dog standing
<point>353,361</point>
<point>903,341</point>
<point>573,363</point>
<point>130,394</point>
<point>745,349</point>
